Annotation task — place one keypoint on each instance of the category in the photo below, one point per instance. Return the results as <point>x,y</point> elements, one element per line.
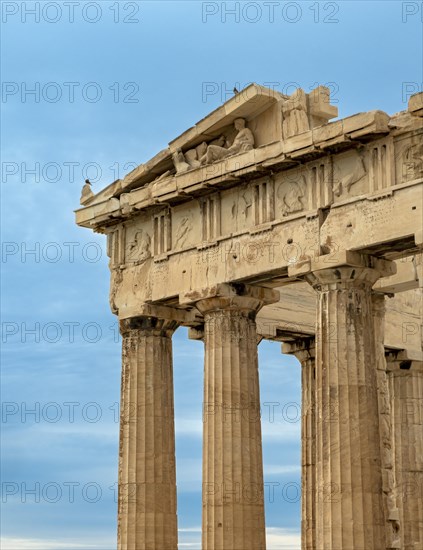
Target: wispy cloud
<point>45,544</point>
<point>276,538</point>
<point>282,539</point>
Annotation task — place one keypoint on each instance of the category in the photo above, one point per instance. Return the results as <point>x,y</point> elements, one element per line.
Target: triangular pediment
<point>250,104</point>
<point>253,134</point>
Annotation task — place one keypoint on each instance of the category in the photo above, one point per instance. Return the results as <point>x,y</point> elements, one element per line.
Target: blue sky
<point>112,84</point>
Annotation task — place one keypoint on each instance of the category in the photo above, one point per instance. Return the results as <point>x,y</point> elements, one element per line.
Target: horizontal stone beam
<point>342,258</point>
<point>294,317</point>
<point>409,275</point>
<point>181,316</point>
<point>265,295</point>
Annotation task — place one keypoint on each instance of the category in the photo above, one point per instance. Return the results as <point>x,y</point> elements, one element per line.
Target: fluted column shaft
<point>406,386</point>
<point>233,496</point>
<point>304,351</point>
<point>349,505</point>
<point>390,496</point>
<point>147,517</point>
<point>308,449</point>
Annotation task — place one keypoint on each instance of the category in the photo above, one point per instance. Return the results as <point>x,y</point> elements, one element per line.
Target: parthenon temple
<point>265,220</point>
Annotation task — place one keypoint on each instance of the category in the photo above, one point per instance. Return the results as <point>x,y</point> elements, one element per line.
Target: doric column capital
<point>303,348</point>
<point>196,333</point>
<point>401,362</point>
<point>149,326</point>
<point>159,311</point>
<point>157,319</point>
<point>345,268</point>
<point>342,278</point>
<point>233,296</point>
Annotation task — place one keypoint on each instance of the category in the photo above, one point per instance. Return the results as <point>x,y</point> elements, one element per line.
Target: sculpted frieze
<point>138,250</point>
<point>182,232</point>
<point>412,162</point>
<point>220,148</point>
<point>349,170</point>
<point>292,194</point>
<point>294,113</point>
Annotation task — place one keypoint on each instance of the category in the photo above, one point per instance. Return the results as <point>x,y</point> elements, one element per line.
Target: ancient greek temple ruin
<point>267,221</point>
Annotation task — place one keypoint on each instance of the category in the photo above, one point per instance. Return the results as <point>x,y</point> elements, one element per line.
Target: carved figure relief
<point>139,250</point>
<point>191,159</point>
<point>294,112</point>
<point>346,177</point>
<point>179,162</point>
<point>244,141</point>
<point>182,232</point>
<point>292,195</point>
<point>217,149</point>
<point>412,167</point>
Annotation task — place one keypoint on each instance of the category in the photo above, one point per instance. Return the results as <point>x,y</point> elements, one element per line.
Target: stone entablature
<point>255,215</point>
<point>273,153</point>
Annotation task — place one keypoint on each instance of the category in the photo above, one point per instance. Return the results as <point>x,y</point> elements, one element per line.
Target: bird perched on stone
<point>235,91</point>
<point>87,193</point>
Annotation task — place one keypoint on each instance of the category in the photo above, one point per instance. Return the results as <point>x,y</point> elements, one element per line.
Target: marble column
<point>390,496</point>
<point>233,491</point>
<point>406,387</point>
<point>304,351</point>
<point>147,517</point>
<point>349,503</point>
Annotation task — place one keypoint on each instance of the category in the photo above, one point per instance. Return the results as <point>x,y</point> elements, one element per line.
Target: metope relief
<point>412,162</point>
<point>349,175</point>
<point>138,249</point>
<point>182,232</point>
<point>292,194</point>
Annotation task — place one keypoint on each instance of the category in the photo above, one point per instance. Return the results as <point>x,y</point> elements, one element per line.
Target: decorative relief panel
<point>412,162</point>
<point>186,226</point>
<point>292,194</point>
<point>294,113</point>
<point>138,249</point>
<point>350,174</point>
<point>137,244</point>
